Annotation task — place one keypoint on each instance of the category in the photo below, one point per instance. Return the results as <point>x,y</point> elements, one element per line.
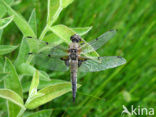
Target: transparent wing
<point>38,46</point>
<point>98,42</point>
<point>106,63</point>
<point>58,51</point>
<point>49,57</point>
<point>49,62</point>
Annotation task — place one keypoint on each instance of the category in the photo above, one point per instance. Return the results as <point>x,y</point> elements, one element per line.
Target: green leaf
<point>49,93</point>
<point>52,38</point>
<point>3,10</point>
<point>5,22</point>
<point>5,49</point>
<point>12,82</point>
<point>44,76</point>
<point>65,3</point>
<point>64,33</point>
<point>43,113</point>
<point>82,31</point>
<point>54,10</point>
<point>22,54</point>
<point>42,84</point>
<point>20,22</point>
<point>9,1</point>
<point>34,83</point>
<point>27,69</point>
<point>33,22</point>
<point>24,48</point>
<point>2,76</point>
<point>12,96</point>
<point>34,44</point>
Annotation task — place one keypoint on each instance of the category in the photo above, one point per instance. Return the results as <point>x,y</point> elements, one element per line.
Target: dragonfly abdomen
<point>74,67</point>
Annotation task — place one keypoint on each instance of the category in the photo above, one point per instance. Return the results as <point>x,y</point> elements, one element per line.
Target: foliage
<point>102,93</point>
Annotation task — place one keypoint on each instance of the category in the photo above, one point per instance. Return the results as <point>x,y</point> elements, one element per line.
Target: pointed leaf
<point>63,32</point>
<point>5,49</point>
<point>32,21</point>
<point>24,48</point>
<point>12,96</point>
<point>3,10</point>
<point>12,82</point>
<point>65,3</point>
<point>42,84</point>
<point>20,21</point>
<point>82,31</point>
<point>5,22</point>
<point>52,38</point>
<point>54,10</point>
<point>34,83</point>
<point>22,54</point>
<point>49,93</point>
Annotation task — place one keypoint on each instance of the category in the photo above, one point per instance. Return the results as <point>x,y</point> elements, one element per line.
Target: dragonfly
<point>74,57</point>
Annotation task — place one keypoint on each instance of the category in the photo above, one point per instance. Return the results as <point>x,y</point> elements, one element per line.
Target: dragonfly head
<point>75,38</point>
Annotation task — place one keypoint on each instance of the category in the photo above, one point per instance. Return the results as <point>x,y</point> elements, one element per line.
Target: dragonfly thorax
<point>73,54</point>
<point>73,51</point>
<point>75,38</point>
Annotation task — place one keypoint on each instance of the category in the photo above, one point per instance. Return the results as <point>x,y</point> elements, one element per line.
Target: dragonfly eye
<point>75,38</point>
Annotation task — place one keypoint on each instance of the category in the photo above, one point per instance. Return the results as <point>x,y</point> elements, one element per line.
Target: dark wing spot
<point>29,37</point>
<point>47,43</point>
<point>49,55</point>
<point>119,57</point>
<point>99,58</point>
<point>30,53</point>
<point>111,30</point>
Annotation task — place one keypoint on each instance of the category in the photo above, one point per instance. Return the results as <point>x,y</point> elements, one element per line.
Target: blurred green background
<point>102,94</point>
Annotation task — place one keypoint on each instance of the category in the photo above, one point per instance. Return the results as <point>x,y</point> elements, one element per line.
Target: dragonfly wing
<point>107,62</point>
<point>50,62</point>
<point>38,46</point>
<point>58,51</point>
<point>98,42</point>
<point>49,57</point>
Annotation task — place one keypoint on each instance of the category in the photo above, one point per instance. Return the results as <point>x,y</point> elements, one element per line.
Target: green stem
<point>44,32</point>
<point>29,59</point>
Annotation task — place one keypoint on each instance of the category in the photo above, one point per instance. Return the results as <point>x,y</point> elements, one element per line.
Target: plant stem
<point>44,32</point>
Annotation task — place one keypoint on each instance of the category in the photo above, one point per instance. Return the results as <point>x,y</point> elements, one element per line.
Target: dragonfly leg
<point>80,62</point>
<point>67,63</point>
<point>66,60</point>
